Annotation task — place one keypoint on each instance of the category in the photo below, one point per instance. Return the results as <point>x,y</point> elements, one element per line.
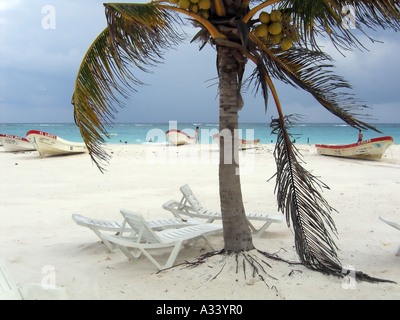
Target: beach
<point>39,195</point>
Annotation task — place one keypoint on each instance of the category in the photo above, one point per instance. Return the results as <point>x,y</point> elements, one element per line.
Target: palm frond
<point>300,199</point>
<point>94,95</point>
<point>374,13</point>
<point>259,77</point>
<point>312,71</point>
<point>326,17</point>
<point>135,39</point>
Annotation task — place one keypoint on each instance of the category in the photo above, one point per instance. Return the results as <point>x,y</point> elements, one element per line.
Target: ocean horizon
<point>141,133</point>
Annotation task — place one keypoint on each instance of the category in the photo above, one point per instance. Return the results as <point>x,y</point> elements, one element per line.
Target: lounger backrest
<point>141,227</point>
<point>191,198</point>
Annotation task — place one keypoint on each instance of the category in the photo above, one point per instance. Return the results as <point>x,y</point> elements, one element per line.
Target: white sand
<point>39,195</point>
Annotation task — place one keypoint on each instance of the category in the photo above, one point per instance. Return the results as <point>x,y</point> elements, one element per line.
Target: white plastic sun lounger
<point>28,291</point>
<point>192,207</point>
<point>394,225</point>
<point>116,227</point>
<point>147,239</point>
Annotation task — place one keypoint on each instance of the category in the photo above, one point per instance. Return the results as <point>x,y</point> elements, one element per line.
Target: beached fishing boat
<point>242,144</point>
<point>366,149</point>
<point>50,144</point>
<point>178,137</point>
<point>15,143</point>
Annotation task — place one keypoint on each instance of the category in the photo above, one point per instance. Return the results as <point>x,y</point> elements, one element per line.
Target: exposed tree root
<point>254,264</point>
<point>251,264</point>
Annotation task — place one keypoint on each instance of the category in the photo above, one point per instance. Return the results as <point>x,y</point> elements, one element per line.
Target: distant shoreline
<point>141,133</point>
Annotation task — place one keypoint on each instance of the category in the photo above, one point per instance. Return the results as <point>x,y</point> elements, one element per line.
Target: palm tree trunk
<point>237,234</point>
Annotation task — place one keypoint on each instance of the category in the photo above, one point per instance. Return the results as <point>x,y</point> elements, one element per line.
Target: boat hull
<point>13,143</point>
<point>177,137</point>
<point>49,144</point>
<point>371,149</point>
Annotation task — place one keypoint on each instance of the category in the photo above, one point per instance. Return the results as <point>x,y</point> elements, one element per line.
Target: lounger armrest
<point>170,204</point>
<point>177,208</point>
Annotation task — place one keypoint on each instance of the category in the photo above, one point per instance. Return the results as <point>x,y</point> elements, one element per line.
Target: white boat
<point>366,149</point>
<point>242,144</point>
<point>50,144</point>
<point>178,137</point>
<point>15,143</point>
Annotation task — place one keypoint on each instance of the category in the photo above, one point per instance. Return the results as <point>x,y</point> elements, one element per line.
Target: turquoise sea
<point>140,133</point>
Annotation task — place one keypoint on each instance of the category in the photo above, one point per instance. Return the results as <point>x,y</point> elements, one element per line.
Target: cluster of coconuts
<point>200,7</point>
<point>275,28</point>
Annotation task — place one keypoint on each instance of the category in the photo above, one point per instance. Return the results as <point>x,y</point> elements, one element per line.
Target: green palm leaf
<point>136,37</point>
<point>326,17</point>
<point>312,71</point>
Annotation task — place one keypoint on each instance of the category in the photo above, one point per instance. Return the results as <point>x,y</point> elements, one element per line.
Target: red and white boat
<point>16,143</point>
<point>242,144</point>
<point>366,149</point>
<point>50,144</point>
<point>178,137</point>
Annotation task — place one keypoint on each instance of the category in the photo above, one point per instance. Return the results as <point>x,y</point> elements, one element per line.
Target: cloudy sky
<point>42,44</point>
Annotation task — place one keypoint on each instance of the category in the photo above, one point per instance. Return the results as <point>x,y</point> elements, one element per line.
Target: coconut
<point>275,39</point>
<point>286,43</point>
<point>204,4</point>
<point>275,15</point>
<point>184,4</point>
<point>275,28</point>
<point>194,8</point>
<point>264,17</point>
<point>174,1</point>
<point>261,30</point>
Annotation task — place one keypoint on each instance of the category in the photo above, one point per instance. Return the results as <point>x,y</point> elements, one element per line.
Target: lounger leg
<point>262,229</point>
<point>171,258</point>
<point>108,244</point>
<point>251,226</point>
<point>208,242</point>
<point>130,254</point>
<point>152,259</point>
<point>173,255</point>
<point>169,263</point>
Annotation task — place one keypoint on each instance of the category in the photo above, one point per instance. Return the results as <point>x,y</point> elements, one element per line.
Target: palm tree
<point>280,39</point>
